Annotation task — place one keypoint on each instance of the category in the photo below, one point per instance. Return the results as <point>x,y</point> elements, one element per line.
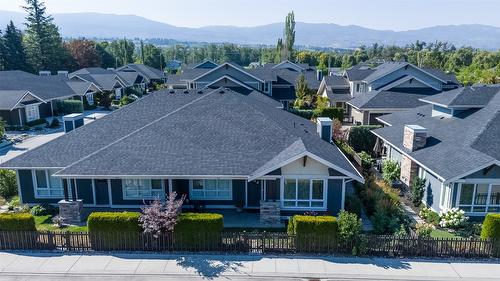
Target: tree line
<point>41,47</point>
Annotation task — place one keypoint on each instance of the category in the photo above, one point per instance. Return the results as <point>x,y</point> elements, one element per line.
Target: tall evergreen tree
<point>43,43</point>
<point>289,35</point>
<point>279,51</point>
<point>2,52</point>
<point>14,56</point>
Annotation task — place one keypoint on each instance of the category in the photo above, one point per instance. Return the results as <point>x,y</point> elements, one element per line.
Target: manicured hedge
<point>114,222</point>
<point>17,222</point>
<point>305,113</point>
<point>69,106</point>
<point>331,112</point>
<point>36,122</point>
<point>491,226</point>
<point>198,230</point>
<point>314,233</point>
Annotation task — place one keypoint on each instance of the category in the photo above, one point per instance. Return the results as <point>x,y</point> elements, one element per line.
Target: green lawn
<point>439,233</point>
<point>45,223</point>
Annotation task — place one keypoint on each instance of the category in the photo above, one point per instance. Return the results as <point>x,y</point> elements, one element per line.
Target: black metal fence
<point>251,242</point>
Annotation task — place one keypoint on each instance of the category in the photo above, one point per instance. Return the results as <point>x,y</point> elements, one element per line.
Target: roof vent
<point>172,92</point>
<point>200,92</point>
<point>221,92</point>
<point>186,92</point>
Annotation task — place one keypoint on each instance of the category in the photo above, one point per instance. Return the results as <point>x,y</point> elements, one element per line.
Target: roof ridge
<point>138,130</point>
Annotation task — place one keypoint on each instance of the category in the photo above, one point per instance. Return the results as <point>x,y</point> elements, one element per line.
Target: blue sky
<point>377,14</point>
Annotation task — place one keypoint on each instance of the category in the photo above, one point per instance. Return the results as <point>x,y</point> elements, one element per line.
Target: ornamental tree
<point>158,217</point>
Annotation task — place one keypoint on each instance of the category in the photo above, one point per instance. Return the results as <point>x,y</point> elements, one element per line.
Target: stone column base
<point>270,212</point>
<point>71,211</point>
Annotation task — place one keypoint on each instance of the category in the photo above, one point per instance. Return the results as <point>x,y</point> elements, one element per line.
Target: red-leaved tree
<point>158,217</point>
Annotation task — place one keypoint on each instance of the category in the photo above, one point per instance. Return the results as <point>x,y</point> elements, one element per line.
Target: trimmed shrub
<point>198,230</point>
<point>331,112</point>
<point>69,106</point>
<point>114,230</point>
<point>390,171</point>
<point>17,222</point>
<point>314,233</point>
<point>8,183</point>
<point>429,216</point>
<point>452,218</point>
<point>361,139</point>
<point>417,191</point>
<point>350,228</point>
<point>43,210</point>
<point>305,113</point>
<point>491,226</point>
<point>424,230</point>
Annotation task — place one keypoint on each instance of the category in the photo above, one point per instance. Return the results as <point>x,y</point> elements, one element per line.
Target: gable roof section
<point>464,97</point>
<point>227,65</point>
<point>148,72</point>
<point>455,146</point>
<point>183,134</point>
<point>402,80</point>
<point>207,64</point>
<point>294,66</point>
<point>390,67</point>
<point>231,79</point>
<point>9,99</point>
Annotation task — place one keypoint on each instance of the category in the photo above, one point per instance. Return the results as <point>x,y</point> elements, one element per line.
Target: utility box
<point>72,121</point>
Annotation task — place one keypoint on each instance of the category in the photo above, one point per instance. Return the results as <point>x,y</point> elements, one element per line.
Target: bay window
<point>479,197</point>
<point>142,189</point>
<point>211,189</point>
<point>304,193</point>
<point>46,185</point>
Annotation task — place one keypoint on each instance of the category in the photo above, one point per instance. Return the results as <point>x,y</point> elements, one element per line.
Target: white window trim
<point>311,179</point>
<point>191,197</point>
<point>47,179</point>
<point>472,205</point>
<point>151,197</point>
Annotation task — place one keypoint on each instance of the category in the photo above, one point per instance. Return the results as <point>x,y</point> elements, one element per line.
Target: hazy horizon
<point>380,15</point>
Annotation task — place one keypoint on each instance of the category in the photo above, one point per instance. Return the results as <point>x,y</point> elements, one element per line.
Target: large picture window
<point>304,193</point>
<point>47,185</point>
<point>142,189</point>
<point>479,198</point>
<point>211,189</point>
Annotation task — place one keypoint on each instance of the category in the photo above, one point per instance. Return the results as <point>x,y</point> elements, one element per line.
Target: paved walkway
<point>241,267</point>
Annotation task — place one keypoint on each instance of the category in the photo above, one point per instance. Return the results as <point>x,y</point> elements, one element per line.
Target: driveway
<point>62,266</point>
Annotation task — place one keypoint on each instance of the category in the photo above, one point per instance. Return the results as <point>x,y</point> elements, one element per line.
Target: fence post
<point>263,242</point>
<point>67,237</point>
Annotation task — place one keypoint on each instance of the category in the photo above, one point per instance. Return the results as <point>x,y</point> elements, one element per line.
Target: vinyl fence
<point>250,242</point>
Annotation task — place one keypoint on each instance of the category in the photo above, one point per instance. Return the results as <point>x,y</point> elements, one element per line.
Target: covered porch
<point>246,219</point>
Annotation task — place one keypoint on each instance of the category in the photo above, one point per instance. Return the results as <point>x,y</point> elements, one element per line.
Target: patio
<point>245,219</point>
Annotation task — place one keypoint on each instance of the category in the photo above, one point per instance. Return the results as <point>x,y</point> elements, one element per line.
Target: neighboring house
<point>454,143</point>
<point>25,97</point>
<point>150,74</point>
<point>220,147</point>
<point>110,80</point>
<point>367,92</point>
<point>275,80</point>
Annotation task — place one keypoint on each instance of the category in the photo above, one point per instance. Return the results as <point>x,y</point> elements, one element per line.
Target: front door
<point>101,192</point>
<point>272,190</point>
<point>253,194</point>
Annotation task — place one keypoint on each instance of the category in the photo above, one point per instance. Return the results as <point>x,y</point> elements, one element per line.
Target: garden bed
<point>44,223</point>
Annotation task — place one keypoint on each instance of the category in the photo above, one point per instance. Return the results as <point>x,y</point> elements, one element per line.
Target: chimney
<point>72,121</point>
<point>319,75</point>
<point>324,128</point>
<point>44,73</point>
<point>415,137</point>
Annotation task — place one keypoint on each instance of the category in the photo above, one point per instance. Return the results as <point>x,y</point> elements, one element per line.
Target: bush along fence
<point>249,242</point>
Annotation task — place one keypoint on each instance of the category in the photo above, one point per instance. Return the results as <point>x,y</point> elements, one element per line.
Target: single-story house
<point>150,74</point>
<point>219,147</point>
<point>453,142</point>
<point>25,97</point>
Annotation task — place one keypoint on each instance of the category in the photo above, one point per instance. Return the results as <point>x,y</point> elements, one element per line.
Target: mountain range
<point>97,25</point>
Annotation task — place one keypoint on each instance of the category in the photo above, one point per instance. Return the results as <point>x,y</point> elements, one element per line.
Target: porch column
<point>73,189</point>
<point>65,189</point>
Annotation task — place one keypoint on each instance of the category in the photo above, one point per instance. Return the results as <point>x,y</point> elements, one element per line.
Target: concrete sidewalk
<point>237,267</point>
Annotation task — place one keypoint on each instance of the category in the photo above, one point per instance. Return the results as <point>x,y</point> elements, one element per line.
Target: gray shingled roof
<point>388,99</point>
<point>455,145</point>
<point>45,87</point>
<point>358,72</point>
<point>150,73</point>
<point>183,134</point>
<point>9,98</point>
<point>465,96</point>
<point>336,81</point>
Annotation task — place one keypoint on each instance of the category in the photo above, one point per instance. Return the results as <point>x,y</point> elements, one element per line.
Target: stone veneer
<point>71,211</point>
<point>270,212</point>
<point>409,170</point>
<point>415,137</point>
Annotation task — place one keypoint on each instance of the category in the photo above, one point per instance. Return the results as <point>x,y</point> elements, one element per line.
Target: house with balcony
<point>25,97</point>
<point>219,147</point>
<point>367,92</point>
<point>275,80</point>
<point>453,143</point>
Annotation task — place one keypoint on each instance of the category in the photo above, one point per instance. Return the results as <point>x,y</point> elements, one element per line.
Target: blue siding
<point>117,195</point>
<point>253,194</point>
<point>334,196</point>
<point>432,191</point>
<point>488,173</point>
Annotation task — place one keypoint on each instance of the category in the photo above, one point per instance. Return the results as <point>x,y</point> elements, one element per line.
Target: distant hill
<point>95,25</point>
